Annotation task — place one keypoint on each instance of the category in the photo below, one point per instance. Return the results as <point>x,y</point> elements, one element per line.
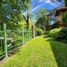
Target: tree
<point>65,3</point>
<point>64,17</point>
<point>28,16</point>
<point>42,22</point>
<point>41,12</point>
<point>42,19</point>
<point>10,10</point>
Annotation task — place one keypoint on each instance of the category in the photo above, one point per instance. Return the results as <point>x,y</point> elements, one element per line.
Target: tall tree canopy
<point>41,12</point>
<point>42,19</point>
<point>11,10</point>
<point>42,22</point>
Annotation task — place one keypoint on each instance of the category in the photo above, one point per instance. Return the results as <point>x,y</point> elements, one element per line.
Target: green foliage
<point>58,33</point>
<point>46,32</point>
<point>17,36</point>
<point>18,39</point>
<point>65,3</point>
<point>41,12</point>
<point>54,32</point>
<point>11,10</point>
<point>42,22</point>
<point>39,31</point>
<point>42,18</point>
<point>64,17</point>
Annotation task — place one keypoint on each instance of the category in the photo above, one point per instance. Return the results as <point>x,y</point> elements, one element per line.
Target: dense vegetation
<point>64,17</point>
<point>39,32</point>
<point>59,33</point>
<point>42,19</point>
<point>11,11</point>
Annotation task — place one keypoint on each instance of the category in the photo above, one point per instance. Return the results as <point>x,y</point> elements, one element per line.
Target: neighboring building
<point>58,15</point>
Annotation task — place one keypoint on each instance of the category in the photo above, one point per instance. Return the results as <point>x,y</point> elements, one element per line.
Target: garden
<point>32,37</point>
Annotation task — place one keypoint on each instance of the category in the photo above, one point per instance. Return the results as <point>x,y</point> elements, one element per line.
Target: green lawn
<point>39,52</point>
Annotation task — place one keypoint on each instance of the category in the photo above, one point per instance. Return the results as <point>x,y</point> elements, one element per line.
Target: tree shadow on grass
<point>60,52</point>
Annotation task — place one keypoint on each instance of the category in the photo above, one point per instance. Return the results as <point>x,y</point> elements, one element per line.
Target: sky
<point>47,4</point>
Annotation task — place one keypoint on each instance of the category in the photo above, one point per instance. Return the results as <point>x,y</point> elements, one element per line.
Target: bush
<point>58,33</point>
<point>46,32</point>
<point>39,32</point>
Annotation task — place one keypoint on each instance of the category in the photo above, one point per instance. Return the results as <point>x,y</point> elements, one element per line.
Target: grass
<point>39,52</point>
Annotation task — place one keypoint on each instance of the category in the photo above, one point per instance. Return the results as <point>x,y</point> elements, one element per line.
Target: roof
<point>61,10</point>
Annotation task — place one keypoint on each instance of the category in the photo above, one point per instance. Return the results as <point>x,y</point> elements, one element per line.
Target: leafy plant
<point>39,31</point>
<point>58,33</point>
<point>64,17</point>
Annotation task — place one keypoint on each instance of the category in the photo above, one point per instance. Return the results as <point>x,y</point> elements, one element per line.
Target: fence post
<point>5,39</point>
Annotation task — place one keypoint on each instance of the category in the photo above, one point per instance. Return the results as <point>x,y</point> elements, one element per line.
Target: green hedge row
<point>58,33</point>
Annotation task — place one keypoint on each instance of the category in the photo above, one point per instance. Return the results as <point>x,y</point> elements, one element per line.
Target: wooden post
<point>5,39</point>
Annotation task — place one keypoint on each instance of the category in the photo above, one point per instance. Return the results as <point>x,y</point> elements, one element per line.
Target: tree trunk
<point>27,20</point>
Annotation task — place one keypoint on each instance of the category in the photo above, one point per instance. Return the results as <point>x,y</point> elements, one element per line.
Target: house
<point>58,15</point>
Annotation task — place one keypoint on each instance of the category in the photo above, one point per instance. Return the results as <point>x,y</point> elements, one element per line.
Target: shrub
<point>46,32</point>
<point>39,32</point>
<point>58,33</point>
